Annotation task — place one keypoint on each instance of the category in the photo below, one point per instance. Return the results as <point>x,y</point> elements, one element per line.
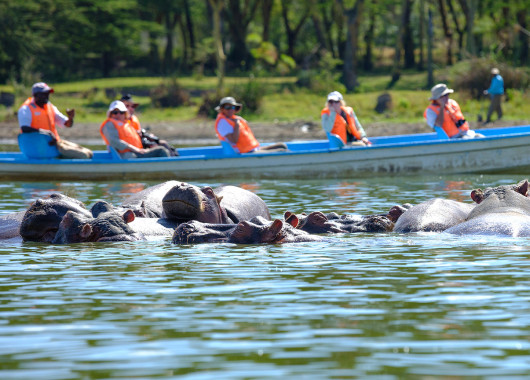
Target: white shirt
<point>224,127</point>
<point>24,116</point>
<point>430,117</point>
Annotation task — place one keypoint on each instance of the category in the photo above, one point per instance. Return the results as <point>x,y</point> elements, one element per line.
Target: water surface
<point>381,306</point>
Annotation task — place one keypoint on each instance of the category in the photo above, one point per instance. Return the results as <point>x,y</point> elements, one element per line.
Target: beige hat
<point>228,100</point>
<point>439,90</point>
<point>495,71</point>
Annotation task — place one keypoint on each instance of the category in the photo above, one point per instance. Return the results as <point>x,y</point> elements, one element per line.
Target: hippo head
<point>194,232</point>
<point>272,233</point>
<point>478,195</point>
<point>42,219</point>
<point>106,225</point>
<point>185,202</point>
<point>315,223</point>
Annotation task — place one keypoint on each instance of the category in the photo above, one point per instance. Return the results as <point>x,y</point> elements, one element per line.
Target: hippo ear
<point>218,199</point>
<point>477,195</point>
<point>522,187</point>
<point>292,220</point>
<point>318,218</point>
<point>128,216</point>
<point>85,231</point>
<point>272,231</point>
<point>68,219</point>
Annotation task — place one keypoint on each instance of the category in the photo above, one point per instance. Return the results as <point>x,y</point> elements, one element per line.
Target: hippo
<point>105,224</point>
<point>41,220</point>
<point>500,211</point>
<point>10,225</point>
<point>256,231</point>
<point>224,204</point>
<point>180,201</point>
<point>434,215</point>
<point>317,222</point>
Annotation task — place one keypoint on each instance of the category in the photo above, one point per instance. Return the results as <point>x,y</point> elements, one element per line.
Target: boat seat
<point>36,145</point>
<point>441,133</point>
<point>114,153</point>
<point>335,142</point>
<point>227,149</point>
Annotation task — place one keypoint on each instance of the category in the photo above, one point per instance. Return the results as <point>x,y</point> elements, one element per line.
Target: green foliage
<point>324,78</point>
<point>474,76</point>
<point>169,94</point>
<point>250,95</point>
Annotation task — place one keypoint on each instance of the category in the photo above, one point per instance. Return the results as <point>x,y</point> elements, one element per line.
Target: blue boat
<point>501,150</point>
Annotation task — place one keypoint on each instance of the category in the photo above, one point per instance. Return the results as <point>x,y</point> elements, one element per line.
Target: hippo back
<point>241,204</point>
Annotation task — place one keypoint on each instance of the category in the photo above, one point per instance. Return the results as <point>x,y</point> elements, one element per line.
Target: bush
<point>474,76</point>
<point>323,77</point>
<point>169,94</point>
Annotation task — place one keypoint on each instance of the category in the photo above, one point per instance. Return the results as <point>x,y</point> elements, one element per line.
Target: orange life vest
<point>135,123</point>
<point>340,126</point>
<point>42,117</point>
<point>126,132</point>
<point>454,120</point>
<point>246,141</point>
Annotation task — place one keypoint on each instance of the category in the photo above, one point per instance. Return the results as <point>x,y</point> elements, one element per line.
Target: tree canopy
<point>58,40</point>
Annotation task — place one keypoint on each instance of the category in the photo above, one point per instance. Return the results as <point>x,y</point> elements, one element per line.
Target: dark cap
<point>128,98</point>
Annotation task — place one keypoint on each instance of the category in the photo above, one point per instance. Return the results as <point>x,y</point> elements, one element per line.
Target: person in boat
<point>236,131</point>
<point>38,115</point>
<point>149,140</point>
<point>495,91</point>
<point>340,120</point>
<point>451,120</point>
<point>119,134</point>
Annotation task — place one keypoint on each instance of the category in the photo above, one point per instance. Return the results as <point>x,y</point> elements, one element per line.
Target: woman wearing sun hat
<point>451,120</point>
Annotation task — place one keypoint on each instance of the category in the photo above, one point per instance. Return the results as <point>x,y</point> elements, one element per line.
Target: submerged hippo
<point>257,231</point>
<point>502,210</point>
<point>434,215</point>
<point>41,221</point>
<point>317,222</point>
<point>105,224</point>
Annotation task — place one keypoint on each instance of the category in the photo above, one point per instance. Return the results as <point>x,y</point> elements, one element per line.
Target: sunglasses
<point>230,107</point>
<point>118,112</point>
<point>333,101</point>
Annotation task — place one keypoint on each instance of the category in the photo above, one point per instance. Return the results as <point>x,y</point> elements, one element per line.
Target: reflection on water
<point>382,306</point>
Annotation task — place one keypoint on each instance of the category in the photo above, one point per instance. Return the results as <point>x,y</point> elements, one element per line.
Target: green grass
<point>282,101</point>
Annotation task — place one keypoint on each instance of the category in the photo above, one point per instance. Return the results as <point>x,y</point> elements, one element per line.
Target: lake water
<point>367,306</point>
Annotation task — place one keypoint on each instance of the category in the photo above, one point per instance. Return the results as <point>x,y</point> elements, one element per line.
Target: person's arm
<point>360,128</point>
<point>24,119</point>
<point>439,122</point>
<point>113,137</point>
<point>228,132</point>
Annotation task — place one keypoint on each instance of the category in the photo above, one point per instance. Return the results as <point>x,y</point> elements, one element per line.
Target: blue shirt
<point>496,86</point>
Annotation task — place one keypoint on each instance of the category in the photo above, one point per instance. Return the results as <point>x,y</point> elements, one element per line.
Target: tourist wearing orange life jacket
<point>38,114</point>
<point>236,131</point>
<point>340,120</point>
<point>122,136</point>
<point>149,140</point>
<point>451,120</point>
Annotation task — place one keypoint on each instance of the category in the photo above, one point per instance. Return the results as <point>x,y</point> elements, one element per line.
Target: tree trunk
<point>266,8</point>
<point>524,37</point>
<point>408,42</point>
<point>238,20</point>
<point>469,7</point>
<point>368,64</point>
<point>421,12</point>
<point>189,27</point>
<point>430,37</point>
<point>447,32</point>
<point>217,6</point>
<point>353,17</point>
<point>170,23</point>
<point>292,31</point>
<point>459,30</point>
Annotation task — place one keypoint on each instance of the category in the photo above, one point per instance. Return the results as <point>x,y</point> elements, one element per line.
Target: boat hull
<point>502,150</point>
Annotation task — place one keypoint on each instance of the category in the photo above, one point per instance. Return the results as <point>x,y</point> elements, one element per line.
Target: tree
<point>289,12</point>
<point>217,6</point>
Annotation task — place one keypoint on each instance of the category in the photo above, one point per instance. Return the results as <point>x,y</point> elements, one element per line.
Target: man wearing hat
<point>235,130</point>
<point>119,134</point>
<point>495,92</point>
<point>38,114</point>
<point>149,140</point>
<point>445,113</point>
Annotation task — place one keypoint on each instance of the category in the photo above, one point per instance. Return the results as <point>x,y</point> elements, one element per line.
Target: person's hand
<point>366,141</point>
<point>443,101</point>
<point>70,113</point>
<point>336,107</point>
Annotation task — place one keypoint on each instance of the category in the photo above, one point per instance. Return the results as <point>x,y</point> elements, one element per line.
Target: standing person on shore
<point>148,139</point>
<point>235,130</point>
<point>122,136</point>
<point>445,113</point>
<point>340,120</point>
<point>495,91</point>
<point>38,114</point>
